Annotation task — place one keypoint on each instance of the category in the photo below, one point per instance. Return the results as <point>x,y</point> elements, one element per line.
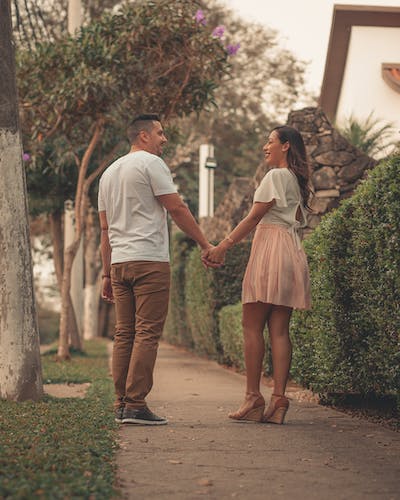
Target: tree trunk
<point>63,348</point>
<point>82,188</point>
<point>57,239</point>
<point>92,282</point>
<point>74,338</point>
<point>20,369</point>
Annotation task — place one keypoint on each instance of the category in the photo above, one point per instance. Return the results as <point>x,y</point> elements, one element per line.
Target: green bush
<point>349,342</point>
<point>230,327</point>
<point>208,291</point>
<point>176,330</point>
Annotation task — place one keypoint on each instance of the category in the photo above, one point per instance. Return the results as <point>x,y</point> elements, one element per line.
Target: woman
<point>277,278</point>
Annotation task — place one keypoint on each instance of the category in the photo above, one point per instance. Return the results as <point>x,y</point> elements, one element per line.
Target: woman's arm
<point>245,226</point>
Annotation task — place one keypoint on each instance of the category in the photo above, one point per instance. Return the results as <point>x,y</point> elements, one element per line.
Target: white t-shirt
<point>137,222</point>
<point>280,184</point>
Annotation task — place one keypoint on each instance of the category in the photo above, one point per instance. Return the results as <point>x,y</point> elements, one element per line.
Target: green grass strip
<point>62,448</point>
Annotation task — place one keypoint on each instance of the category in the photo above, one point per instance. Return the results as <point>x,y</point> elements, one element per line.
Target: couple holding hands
<point>135,193</point>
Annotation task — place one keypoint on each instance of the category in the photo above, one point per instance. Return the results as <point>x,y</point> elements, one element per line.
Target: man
<point>135,193</point>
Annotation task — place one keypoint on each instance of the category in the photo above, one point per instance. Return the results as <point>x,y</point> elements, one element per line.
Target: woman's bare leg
<point>253,320</point>
<point>281,346</point>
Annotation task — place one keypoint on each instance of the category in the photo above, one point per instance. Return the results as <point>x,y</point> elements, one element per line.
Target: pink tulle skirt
<point>277,271</point>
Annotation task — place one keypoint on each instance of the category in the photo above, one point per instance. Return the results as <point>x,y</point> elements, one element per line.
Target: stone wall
<point>337,168</point>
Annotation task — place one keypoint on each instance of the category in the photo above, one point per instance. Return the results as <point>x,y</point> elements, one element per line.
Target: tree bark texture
<point>92,270</point>
<point>20,368</point>
<point>71,251</point>
<point>66,304</point>
<point>58,257</point>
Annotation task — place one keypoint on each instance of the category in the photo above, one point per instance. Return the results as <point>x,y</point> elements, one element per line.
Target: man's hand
<point>205,258</point>
<point>106,290</point>
<point>216,255</point>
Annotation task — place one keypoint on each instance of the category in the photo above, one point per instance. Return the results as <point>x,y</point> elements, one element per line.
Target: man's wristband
<point>105,276</point>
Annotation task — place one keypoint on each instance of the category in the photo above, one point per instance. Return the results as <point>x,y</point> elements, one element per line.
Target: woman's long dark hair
<point>297,159</point>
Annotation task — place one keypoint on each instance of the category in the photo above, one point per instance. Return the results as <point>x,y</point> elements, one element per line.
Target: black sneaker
<point>118,413</point>
<point>142,416</point>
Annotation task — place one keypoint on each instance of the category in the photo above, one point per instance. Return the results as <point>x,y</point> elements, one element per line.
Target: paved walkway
<point>320,454</point>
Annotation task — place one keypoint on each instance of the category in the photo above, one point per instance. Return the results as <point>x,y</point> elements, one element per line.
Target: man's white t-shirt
<point>137,222</point>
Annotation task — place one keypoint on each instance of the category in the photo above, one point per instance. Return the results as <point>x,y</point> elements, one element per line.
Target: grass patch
<point>61,448</point>
<point>86,366</point>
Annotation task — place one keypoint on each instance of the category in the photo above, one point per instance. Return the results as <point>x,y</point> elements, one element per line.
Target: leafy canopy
<point>147,56</point>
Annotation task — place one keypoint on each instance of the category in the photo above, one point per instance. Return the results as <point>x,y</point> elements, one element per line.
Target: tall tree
<point>20,370</point>
<point>153,56</point>
<point>264,83</point>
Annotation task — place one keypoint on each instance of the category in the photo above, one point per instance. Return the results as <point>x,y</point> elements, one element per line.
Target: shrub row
<point>349,342</point>
<point>198,294</point>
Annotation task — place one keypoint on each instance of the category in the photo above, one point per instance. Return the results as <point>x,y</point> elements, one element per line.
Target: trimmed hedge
<point>230,326</point>
<point>176,330</point>
<point>349,342</point>
<point>207,291</point>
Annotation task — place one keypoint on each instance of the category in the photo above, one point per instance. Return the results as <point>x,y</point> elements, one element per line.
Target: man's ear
<point>144,136</point>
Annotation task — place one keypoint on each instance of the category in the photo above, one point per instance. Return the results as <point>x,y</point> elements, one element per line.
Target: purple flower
<point>232,49</point>
<point>200,17</point>
<point>218,32</point>
<point>26,157</point>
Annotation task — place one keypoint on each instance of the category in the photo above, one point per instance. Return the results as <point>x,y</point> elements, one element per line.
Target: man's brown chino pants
<point>141,292</point>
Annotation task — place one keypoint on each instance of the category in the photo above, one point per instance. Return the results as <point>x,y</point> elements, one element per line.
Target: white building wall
<point>363,88</point>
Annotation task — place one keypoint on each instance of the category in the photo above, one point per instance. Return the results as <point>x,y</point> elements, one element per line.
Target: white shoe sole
<point>143,422</point>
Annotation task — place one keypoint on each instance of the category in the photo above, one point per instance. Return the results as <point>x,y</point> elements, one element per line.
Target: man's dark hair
<point>141,122</point>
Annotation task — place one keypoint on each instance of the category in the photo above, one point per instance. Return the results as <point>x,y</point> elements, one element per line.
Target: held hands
<point>214,256</point>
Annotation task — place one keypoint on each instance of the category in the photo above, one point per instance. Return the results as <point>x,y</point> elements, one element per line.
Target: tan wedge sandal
<point>276,410</point>
<point>253,414</point>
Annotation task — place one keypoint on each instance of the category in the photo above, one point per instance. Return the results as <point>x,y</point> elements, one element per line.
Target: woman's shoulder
<point>277,173</point>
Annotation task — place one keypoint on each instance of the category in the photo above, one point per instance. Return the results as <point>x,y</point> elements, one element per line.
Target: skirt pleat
<point>277,271</point>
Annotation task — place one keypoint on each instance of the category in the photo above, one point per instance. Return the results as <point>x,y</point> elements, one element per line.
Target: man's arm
<point>184,219</point>
<point>105,248</point>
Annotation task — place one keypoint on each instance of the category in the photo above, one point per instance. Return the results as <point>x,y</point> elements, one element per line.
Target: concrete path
<point>319,454</point>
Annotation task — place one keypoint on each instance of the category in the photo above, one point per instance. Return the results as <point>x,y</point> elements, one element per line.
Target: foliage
<point>371,135</point>
<point>68,86</point>
<point>121,65</point>
<point>264,83</point>
<point>176,330</point>
<point>61,448</point>
<point>349,342</point>
<point>230,326</point>
<point>207,291</point>
<point>200,306</point>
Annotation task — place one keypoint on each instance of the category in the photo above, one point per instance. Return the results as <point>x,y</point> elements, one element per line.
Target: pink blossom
<point>218,31</point>
<point>200,18</point>
<point>232,49</point>
<point>26,157</point>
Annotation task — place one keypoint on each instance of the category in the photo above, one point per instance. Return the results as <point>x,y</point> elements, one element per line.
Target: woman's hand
<point>217,254</point>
